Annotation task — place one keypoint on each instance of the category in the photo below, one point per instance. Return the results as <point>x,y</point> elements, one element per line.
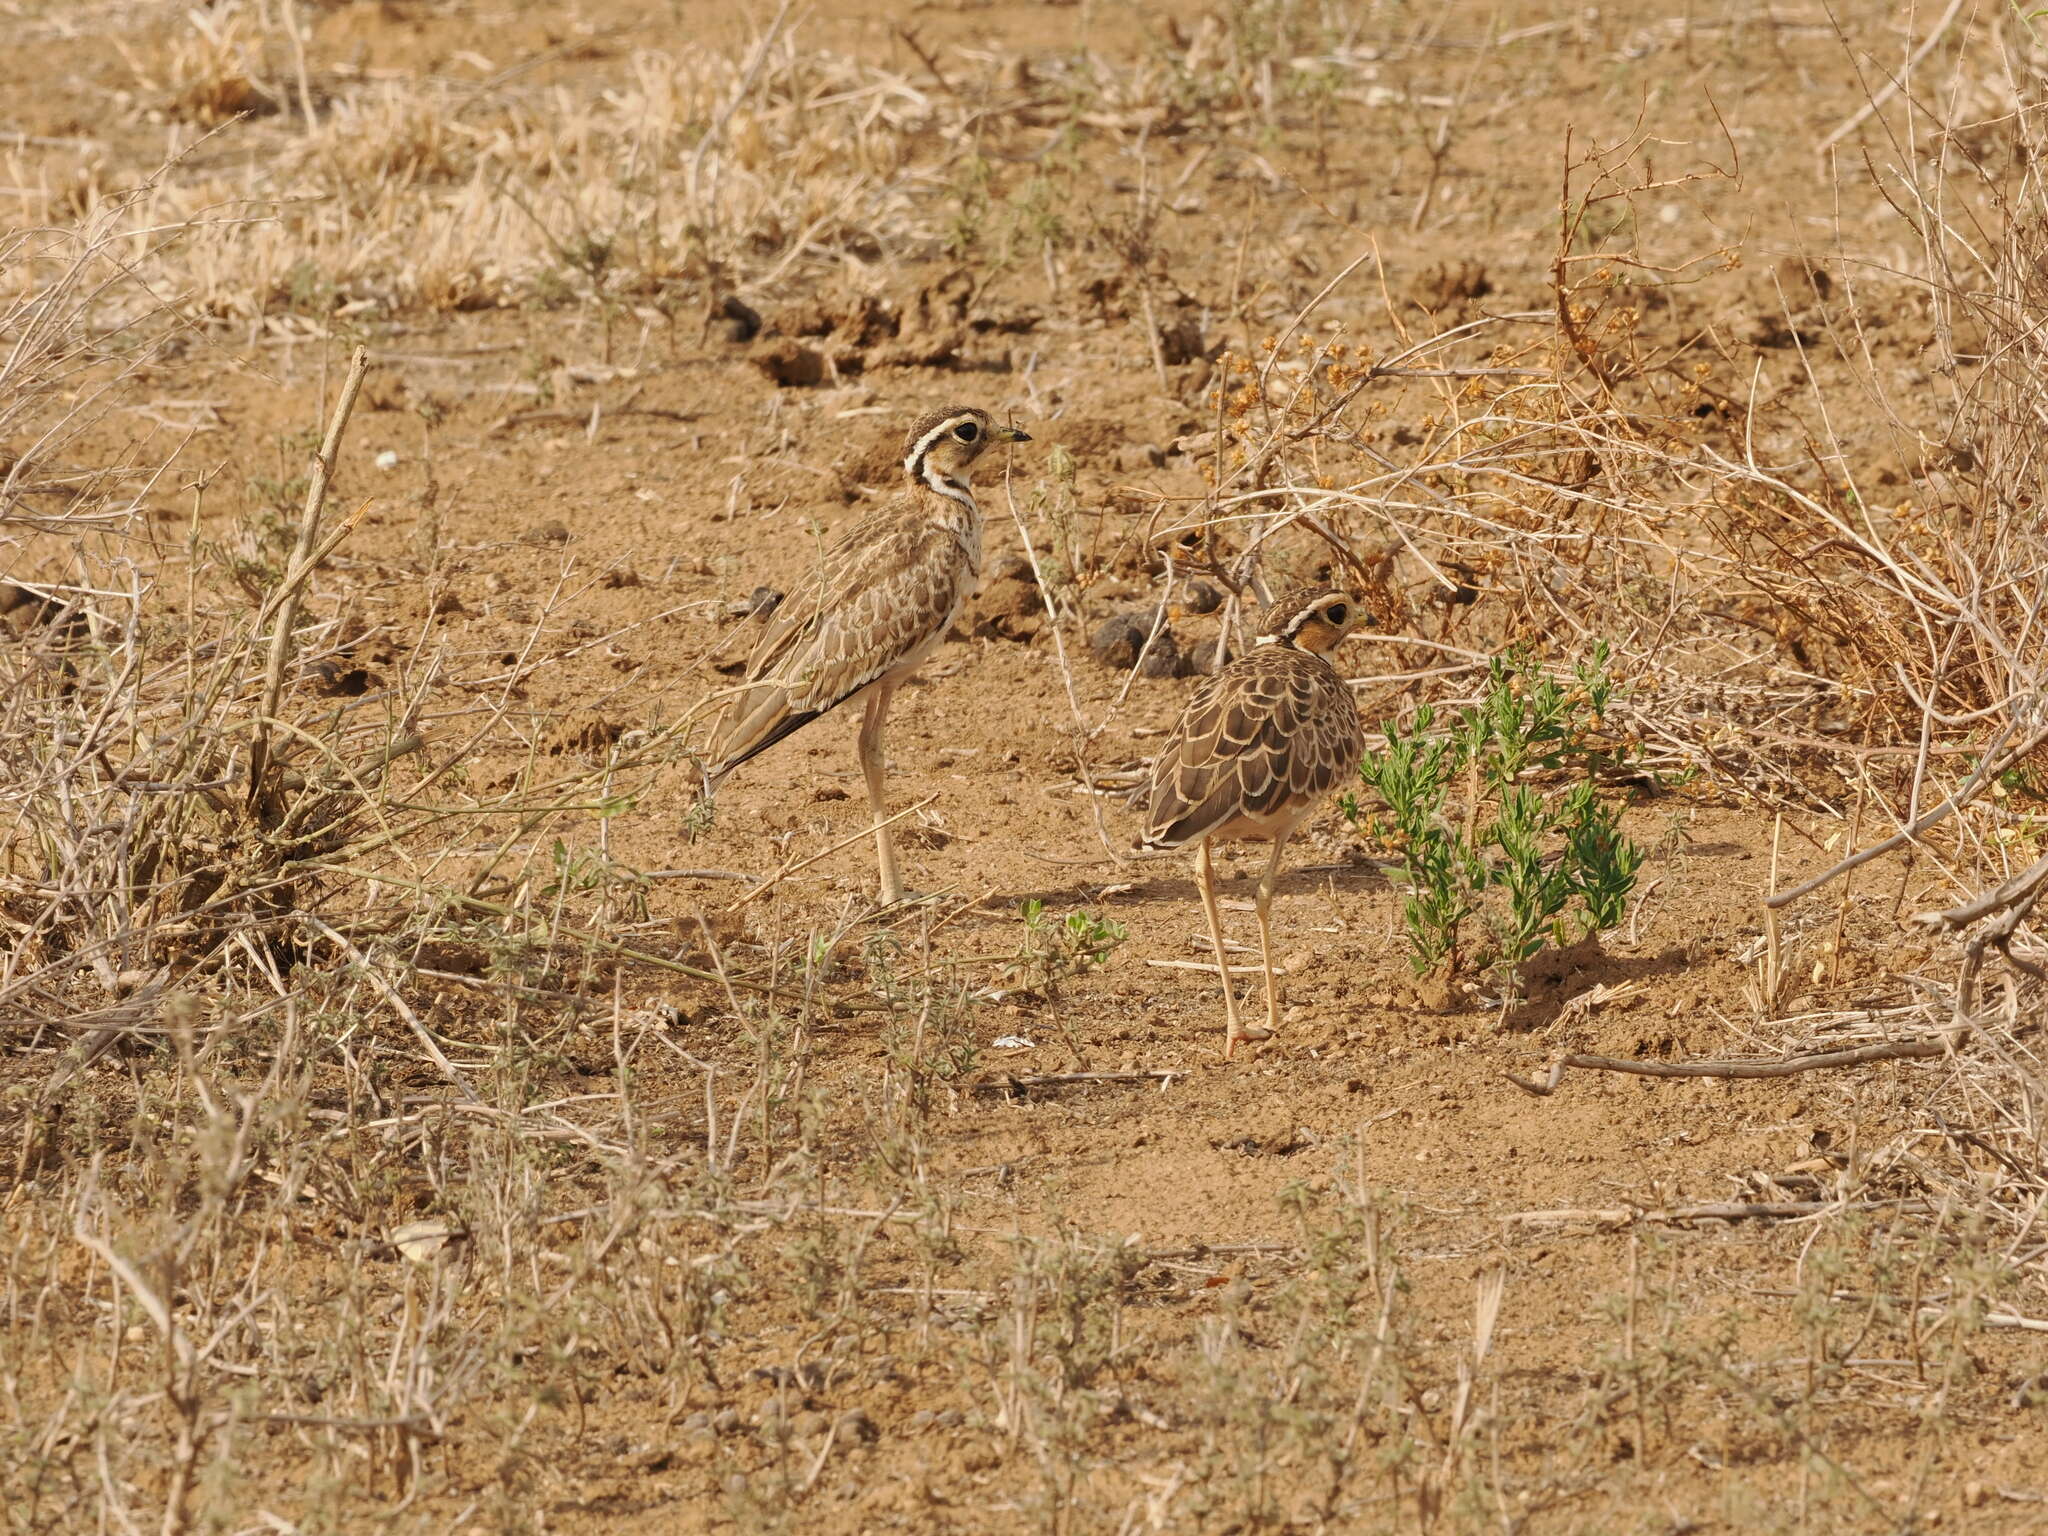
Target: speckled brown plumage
<point>878,603</point>
<point>1255,751</point>
<point>1270,734</point>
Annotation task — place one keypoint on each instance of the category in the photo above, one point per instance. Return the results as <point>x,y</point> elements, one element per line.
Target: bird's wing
<point>1266,734</point>
<point>877,598</point>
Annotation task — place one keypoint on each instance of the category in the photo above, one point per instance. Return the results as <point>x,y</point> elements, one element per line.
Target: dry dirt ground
<point>822,1257</point>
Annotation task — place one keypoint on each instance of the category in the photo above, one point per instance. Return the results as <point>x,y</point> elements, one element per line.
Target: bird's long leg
<point>1205,877</point>
<point>1264,904</point>
<point>875,769</point>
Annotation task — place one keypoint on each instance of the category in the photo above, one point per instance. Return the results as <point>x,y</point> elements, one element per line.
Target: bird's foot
<point>1243,1032</point>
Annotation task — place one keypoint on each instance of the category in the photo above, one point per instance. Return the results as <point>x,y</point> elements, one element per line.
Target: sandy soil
<point>571,509</point>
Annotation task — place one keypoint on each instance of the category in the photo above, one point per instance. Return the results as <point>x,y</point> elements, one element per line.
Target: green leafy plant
<point>1552,853</point>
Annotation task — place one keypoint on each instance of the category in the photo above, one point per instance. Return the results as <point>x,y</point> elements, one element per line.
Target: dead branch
<point>399,1006</point>
<point>1009,1085</point>
<point>1791,1066</point>
<point>1993,763</point>
<point>549,415</point>
<point>780,875</point>
<point>2014,902</point>
<point>1680,1215</point>
<point>1875,103</point>
<point>2023,888</point>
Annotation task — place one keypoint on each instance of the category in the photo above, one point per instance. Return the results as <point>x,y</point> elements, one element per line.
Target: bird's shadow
<point>1154,881</point>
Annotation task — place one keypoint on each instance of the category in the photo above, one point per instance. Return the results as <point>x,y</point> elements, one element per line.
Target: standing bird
<point>879,603</point>
<point>1256,749</point>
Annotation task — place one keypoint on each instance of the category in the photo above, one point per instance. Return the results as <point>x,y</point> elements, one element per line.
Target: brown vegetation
<point>416,1106</point>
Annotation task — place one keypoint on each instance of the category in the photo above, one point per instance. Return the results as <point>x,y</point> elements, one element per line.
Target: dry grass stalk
<point>305,556</point>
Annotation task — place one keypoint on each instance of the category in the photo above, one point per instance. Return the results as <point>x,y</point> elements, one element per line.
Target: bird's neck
<point>949,501</point>
<point>953,509</point>
<point>944,486</point>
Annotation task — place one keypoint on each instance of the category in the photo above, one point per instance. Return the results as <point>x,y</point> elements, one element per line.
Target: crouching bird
<point>1255,751</point>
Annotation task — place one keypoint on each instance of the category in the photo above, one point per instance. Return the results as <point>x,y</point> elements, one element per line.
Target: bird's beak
<point>1010,435</point>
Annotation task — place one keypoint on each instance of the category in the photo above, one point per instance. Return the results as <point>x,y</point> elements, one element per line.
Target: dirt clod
<point>1009,606</point>
<point>587,734</point>
<point>1181,340</point>
<point>735,321</point>
<point>1163,657</point>
<point>792,365</point>
<point>1119,639</point>
<point>1451,283</point>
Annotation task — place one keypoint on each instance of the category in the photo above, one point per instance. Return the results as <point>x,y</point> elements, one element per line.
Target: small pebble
<point>811,1423</point>
<point>922,1419</point>
<point>951,1418</point>
<point>792,365</point>
<point>736,1485</point>
<point>388,459</point>
<point>696,1421</point>
<point>727,1421</point>
<point>855,1425</point>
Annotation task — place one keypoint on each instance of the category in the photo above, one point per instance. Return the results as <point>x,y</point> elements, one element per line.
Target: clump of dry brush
<point>317,1024</point>
<point>176,789</point>
<point>204,795</point>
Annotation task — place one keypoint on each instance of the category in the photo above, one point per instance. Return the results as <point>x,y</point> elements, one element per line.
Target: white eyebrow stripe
<point>913,463</point>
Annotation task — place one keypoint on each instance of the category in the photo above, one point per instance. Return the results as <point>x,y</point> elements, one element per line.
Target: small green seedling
<point>1054,950</point>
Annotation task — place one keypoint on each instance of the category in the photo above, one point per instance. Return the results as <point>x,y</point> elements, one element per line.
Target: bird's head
<point>1313,618</point>
<point>945,443</point>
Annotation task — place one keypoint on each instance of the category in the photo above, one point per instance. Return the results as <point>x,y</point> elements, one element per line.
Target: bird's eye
<point>967,431</point>
<point>1337,613</point>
